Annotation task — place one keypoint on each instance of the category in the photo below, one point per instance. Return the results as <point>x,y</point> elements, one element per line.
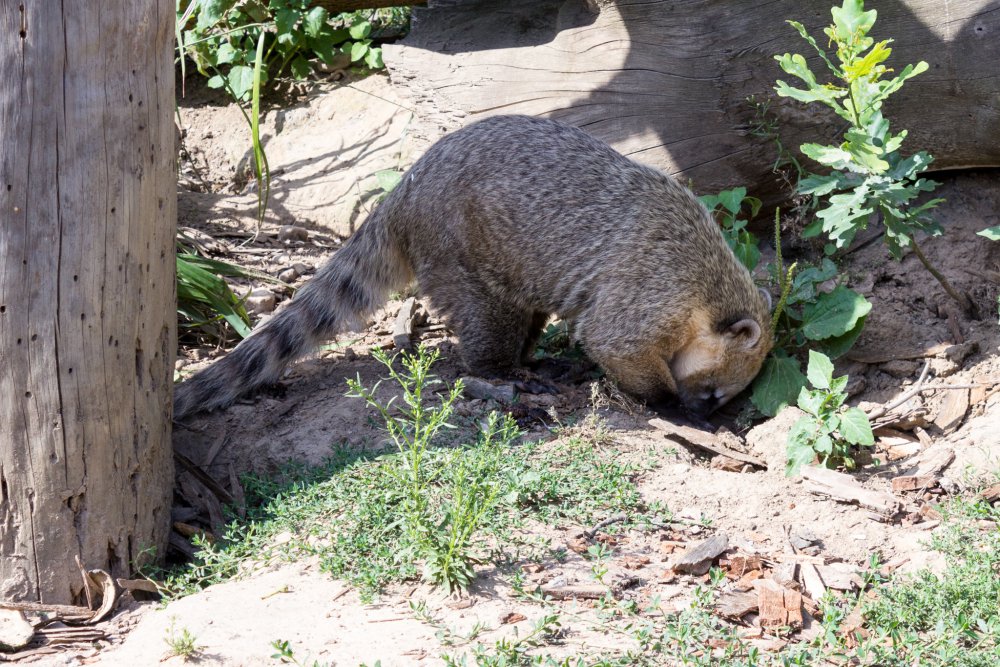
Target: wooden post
<point>87,314</point>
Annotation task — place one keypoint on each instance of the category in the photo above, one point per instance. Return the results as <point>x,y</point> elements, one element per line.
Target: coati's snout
<point>717,365</point>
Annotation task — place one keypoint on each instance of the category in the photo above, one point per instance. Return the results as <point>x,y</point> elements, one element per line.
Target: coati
<point>508,221</point>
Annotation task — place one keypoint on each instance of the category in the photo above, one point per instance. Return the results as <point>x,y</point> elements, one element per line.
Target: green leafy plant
<point>204,299</point>
<point>829,429</point>
<point>727,206</point>
<point>444,540</point>
<point>814,308</point>
<point>221,38</point>
<point>182,643</point>
<point>869,176</point>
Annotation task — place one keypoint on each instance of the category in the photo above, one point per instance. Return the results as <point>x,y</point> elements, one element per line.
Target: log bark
<point>667,82</point>
<point>87,294</point>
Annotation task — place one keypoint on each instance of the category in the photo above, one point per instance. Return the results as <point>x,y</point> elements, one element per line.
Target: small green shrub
<point>221,37</point>
<point>814,309</point>
<point>828,429</point>
<point>869,176</point>
<point>727,207</point>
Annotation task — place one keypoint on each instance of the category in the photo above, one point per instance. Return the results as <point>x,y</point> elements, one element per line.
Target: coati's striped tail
<point>355,282</point>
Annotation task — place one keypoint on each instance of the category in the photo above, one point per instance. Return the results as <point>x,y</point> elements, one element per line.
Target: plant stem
<point>959,297</point>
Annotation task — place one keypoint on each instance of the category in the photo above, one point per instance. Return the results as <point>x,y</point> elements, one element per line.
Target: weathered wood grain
<point>87,314</point>
<point>667,82</point>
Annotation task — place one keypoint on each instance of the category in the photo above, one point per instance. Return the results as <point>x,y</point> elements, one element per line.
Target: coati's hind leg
<point>535,328</point>
<point>492,337</point>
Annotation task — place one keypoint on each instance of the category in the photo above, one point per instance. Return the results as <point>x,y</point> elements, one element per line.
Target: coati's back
<point>512,219</point>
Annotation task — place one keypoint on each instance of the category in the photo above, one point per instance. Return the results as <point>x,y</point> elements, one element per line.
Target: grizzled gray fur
<point>513,219</point>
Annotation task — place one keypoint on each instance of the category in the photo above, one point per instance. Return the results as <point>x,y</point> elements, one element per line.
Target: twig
<point>913,391</point>
<point>617,518</point>
<point>960,298</point>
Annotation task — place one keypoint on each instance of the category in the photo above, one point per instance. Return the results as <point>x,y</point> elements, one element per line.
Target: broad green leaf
<point>777,385</point>
<point>733,199</point>
<point>820,370</point>
<point>224,54</point>
<point>241,81</point>
<point>798,450</point>
<point>817,185</point>
<point>285,20</point>
<point>837,384</point>
<point>823,445</point>
<point>388,179</point>
<point>374,58</point>
<point>866,66</point>
<point>827,96</point>
<point>851,18</point>
<point>887,88</point>
<point>216,81</point>
<point>358,51</point>
<point>211,12</point>
<point>833,314</point>
<point>831,156</point>
<point>360,30</point>
<point>810,401</point>
<point>855,428</point>
<point>300,67</point>
<point>323,47</point>
<point>992,233</point>
<point>315,21</point>
<point>837,346</point>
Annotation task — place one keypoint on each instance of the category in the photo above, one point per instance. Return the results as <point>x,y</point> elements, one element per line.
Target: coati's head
<point>720,360</point>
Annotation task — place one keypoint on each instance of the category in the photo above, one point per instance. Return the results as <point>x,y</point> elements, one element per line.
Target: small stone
<point>959,353</point>
<point>900,368</point>
<point>15,630</point>
<point>289,233</point>
<point>288,275</point>
<point>942,368</point>
<point>261,300</point>
<point>303,268</point>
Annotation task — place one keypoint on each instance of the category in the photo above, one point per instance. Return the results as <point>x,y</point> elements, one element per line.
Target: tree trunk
<point>668,81</point>
<point>87,314</point>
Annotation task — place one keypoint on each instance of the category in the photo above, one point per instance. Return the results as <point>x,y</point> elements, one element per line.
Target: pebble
<point>288,275</point>
<point>289,233</point>
<point>261,300</point>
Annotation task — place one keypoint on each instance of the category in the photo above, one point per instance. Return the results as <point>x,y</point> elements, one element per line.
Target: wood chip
<point>576,591</point>
<point>811,581</point>
<point>512,617</point>
<point>990,494</point>
<point>697,558</point>
<point>934,461</point>
<point>882,356</point>
<point>953,409</point>
<point>144,585</point>
<point>845,488</point>
<point>745,583</point>
<point>913,482</point>
<point>785,574</point>
<point>778,606</point>
<point>735,604</point>
<point>727,463</point>
<point>402,326</point>
<point>692,437</point>
<point>635,562</point>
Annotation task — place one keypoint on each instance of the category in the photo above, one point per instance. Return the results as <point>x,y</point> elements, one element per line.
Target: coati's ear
<point>747,331</point>
<point>767,297</point>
